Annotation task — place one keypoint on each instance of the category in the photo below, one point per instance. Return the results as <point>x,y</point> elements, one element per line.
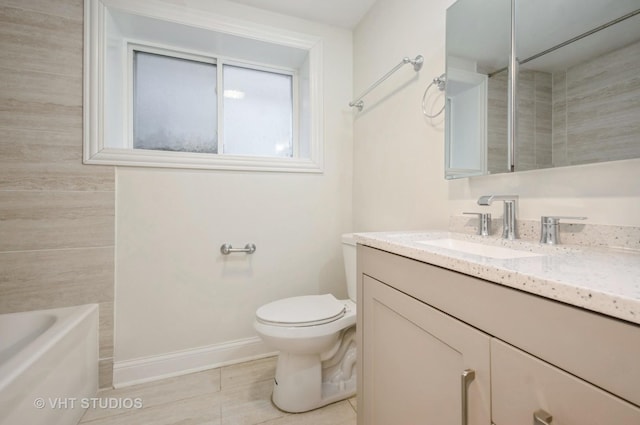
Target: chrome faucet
<point>509,216</point>
<point>549,228</point>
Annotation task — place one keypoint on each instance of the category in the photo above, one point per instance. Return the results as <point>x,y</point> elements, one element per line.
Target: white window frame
<point>95,151</point>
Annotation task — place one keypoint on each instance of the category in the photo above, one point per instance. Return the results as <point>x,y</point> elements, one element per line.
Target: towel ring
<point>439,82</point>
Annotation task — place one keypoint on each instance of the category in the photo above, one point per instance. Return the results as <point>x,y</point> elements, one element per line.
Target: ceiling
<point>340,13</point>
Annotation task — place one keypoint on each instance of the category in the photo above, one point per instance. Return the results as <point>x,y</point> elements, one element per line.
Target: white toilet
<point>316,338</point>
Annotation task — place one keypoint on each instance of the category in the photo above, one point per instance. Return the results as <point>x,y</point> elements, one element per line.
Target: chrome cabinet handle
<point>467,376</point>
<point>540,417</point>
<point>227,249</point>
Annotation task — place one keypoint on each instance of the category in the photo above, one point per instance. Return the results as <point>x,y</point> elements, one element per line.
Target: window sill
<point>144,158</point>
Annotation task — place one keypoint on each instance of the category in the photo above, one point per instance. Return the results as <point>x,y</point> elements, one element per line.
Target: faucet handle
<point>488,199</point>
<point>484,223</point>
<point>555,219</point>
<point>549,228</point>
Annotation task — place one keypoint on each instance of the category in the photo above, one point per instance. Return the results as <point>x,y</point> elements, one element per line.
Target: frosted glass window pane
<point>258,112</point>
<point>175,105</point>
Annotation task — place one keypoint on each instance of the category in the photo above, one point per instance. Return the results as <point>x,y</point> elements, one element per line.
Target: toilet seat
<point>309,310</point>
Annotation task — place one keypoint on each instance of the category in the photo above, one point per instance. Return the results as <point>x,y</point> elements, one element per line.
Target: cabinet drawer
<point>522,384</point>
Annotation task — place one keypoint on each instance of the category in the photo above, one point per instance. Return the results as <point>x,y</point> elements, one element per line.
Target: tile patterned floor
<point>231,395</point>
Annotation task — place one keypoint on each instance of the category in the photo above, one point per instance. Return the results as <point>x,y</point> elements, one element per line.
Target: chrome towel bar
<point>417,65</point>
<point>227,249</point>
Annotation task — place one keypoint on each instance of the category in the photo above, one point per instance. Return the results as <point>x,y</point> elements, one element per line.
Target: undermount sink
<point>498,252</point>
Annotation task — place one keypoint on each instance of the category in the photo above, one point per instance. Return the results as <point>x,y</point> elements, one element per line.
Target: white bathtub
<point>48,364</point>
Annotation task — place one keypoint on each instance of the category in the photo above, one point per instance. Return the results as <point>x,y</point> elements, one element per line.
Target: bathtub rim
<point>66,319</point>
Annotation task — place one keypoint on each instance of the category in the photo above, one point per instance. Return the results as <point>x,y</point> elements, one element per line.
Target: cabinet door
<point>522,384</point>
<point>413,360</point>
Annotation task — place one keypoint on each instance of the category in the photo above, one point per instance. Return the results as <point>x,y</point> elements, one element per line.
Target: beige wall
<point>607,193</point>
<point>398,176</point>
<point>398,153</point>
<point>175,292</point>
<point>56,215</point>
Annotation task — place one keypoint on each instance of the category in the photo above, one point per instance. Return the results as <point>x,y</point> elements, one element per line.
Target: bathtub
<point>48,364</point>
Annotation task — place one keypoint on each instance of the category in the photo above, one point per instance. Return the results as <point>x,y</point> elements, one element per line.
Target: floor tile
<point>201,410</point>
<point>354,403</point>
<point>160,392</point>
<point>339,413</point>
<point>233,395</point>
<point>248,373</point>
<point>249,404</point>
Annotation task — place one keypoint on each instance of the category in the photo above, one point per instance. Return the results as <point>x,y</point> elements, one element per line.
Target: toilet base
<point>304,382</point>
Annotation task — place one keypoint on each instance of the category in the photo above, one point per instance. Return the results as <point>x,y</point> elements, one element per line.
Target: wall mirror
<point>577,91</point>
<point>478,45</point>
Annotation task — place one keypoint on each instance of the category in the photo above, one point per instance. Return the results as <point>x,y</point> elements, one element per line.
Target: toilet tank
<point>349,253</point>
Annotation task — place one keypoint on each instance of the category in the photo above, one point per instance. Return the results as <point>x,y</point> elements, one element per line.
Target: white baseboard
<point>146,369</point>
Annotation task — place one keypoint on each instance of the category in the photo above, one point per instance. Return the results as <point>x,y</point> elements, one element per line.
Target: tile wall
<point>587,113</point>
<point>596,109</point>
<point>497,114</point>
<point>534,148</point>
<point>57,216</point>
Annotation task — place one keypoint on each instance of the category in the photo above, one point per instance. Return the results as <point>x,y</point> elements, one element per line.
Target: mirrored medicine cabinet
<point>535,84</point>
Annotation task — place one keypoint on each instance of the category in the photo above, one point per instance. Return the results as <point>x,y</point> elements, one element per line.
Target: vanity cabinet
<point>414,360</point>
<point>421,326</point>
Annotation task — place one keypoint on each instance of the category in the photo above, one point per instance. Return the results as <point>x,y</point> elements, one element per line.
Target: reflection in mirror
<point>478,46</point>
<point>578,82</point>
<point>578,91</point>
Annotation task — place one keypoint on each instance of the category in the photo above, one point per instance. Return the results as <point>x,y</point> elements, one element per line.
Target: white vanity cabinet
<point>420,327</point>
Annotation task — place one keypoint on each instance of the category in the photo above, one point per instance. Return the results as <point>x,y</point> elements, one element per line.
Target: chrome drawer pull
<point>467,376</point>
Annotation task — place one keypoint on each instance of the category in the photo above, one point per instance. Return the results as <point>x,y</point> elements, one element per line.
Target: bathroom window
<point>174,104</point>
<point>264,99</point>
<point>168,89</point>
<point>176,107</point>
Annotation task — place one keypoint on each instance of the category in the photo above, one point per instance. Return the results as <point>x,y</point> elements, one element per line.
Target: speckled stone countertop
<point>603,280</point>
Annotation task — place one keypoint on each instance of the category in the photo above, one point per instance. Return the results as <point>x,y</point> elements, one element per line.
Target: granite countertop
<point>603,280</point>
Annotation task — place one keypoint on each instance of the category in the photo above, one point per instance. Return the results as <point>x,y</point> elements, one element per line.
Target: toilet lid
<point>308,310</point>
